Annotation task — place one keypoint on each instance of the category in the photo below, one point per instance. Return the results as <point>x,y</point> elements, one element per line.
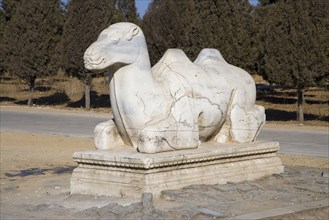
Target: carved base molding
<point>127,173</point>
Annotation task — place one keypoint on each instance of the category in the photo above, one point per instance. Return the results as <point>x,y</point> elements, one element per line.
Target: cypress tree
<point>192,25</point>
<point>85,20</point>
<point>171,24</point>
<point>296,45</point>
<point>2,22</point>
<point>127,10</point>
<point>9,7</point>
<point>29,40</point>
<point>2,27</point>
<point>227,25</point>
<point>267,2</point>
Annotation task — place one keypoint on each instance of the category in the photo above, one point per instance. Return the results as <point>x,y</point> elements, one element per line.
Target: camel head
<point>116,45</point>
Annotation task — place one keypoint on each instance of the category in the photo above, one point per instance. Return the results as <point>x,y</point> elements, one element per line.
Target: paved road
<point>81,125</point>
<point>304,142</point>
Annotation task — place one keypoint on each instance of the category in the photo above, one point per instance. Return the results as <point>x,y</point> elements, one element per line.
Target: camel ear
<point>133,32</point>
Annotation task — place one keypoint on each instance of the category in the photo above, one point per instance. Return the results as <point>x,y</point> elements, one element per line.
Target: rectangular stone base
<point>127,173</point>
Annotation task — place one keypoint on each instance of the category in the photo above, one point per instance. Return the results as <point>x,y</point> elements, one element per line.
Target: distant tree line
<point>39,37</point>
<point>286,41</point>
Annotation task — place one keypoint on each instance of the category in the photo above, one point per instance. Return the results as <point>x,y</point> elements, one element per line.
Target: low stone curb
<point>282,211</point>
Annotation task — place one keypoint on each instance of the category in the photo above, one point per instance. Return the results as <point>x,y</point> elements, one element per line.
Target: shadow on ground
<point>40,171</point>
<point>6,99</point>
<point>284,100</point>
<point>96,101</point>
<point>54,99</point>
<point>42,88</point>
<point>269,94</point>
<point>281,115</point>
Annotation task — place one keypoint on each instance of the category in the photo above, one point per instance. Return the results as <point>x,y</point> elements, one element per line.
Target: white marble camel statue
<point>175,105</point>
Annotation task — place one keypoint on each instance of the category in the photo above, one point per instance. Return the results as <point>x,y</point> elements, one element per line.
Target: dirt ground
<point>35,184</point>
<point>64,92</point>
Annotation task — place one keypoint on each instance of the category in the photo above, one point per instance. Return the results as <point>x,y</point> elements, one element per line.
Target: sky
<point>143,4</point>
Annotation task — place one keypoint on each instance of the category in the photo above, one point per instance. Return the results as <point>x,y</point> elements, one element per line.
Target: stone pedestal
<point>127,173</point>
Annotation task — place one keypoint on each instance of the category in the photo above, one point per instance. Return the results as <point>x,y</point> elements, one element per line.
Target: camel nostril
<point>92,57</point>
<point>87,58</point>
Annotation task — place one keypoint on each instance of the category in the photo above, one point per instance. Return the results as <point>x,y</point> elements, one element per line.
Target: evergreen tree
<point>227,25</point>
<point>192,25</point>
<point>85,20</point>
<point>2,22</point>
<point>296,45</point>
<point>29,40</point>
<point>2,27</point>
<point>9,7</point>
<point>169,24</point>
<point>127,10</point>
<point>267,2</point>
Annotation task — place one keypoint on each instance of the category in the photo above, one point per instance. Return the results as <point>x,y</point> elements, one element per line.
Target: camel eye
<point>115,40</point>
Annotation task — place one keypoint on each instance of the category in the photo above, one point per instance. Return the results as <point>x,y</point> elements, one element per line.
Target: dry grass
<point>281,105</point>
<point>73,88</point>
<point>58,91</point>
<point>304,161</point>
<point>64,92</point>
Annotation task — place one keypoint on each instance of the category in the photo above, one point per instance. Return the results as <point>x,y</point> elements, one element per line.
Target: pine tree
<point>192,25</point>
<point>170,24</point>
<point>227,26</point>
<point>9,7</point>
<point>267,2</point>
<point>296,45</point>
<point>85,20</point>
<point>29,40</point>
<point>2,27</point>
<point>2,22</point>
<point>127,10</point>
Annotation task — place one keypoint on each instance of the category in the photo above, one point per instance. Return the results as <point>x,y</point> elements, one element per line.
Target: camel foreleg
<point>106,136</point>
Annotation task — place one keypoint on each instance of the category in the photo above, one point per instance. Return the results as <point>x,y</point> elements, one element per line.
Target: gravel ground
<point>48,197</point>
<point>35,184</point>
<point>319,213</point>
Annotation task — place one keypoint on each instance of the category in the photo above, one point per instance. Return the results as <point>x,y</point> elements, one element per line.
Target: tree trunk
<point>31,90</point>
<point>87,82</point>
<point>300,102</point>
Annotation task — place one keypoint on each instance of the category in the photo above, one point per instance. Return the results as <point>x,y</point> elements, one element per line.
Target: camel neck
<point>139,72</point>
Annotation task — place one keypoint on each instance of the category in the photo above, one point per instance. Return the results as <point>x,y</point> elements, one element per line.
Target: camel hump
<point>209,54</point>
<point>174,56</point>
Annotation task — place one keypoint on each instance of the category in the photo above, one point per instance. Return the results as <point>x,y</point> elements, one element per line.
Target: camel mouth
<point>91,64</point>
<point>95,63</point>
